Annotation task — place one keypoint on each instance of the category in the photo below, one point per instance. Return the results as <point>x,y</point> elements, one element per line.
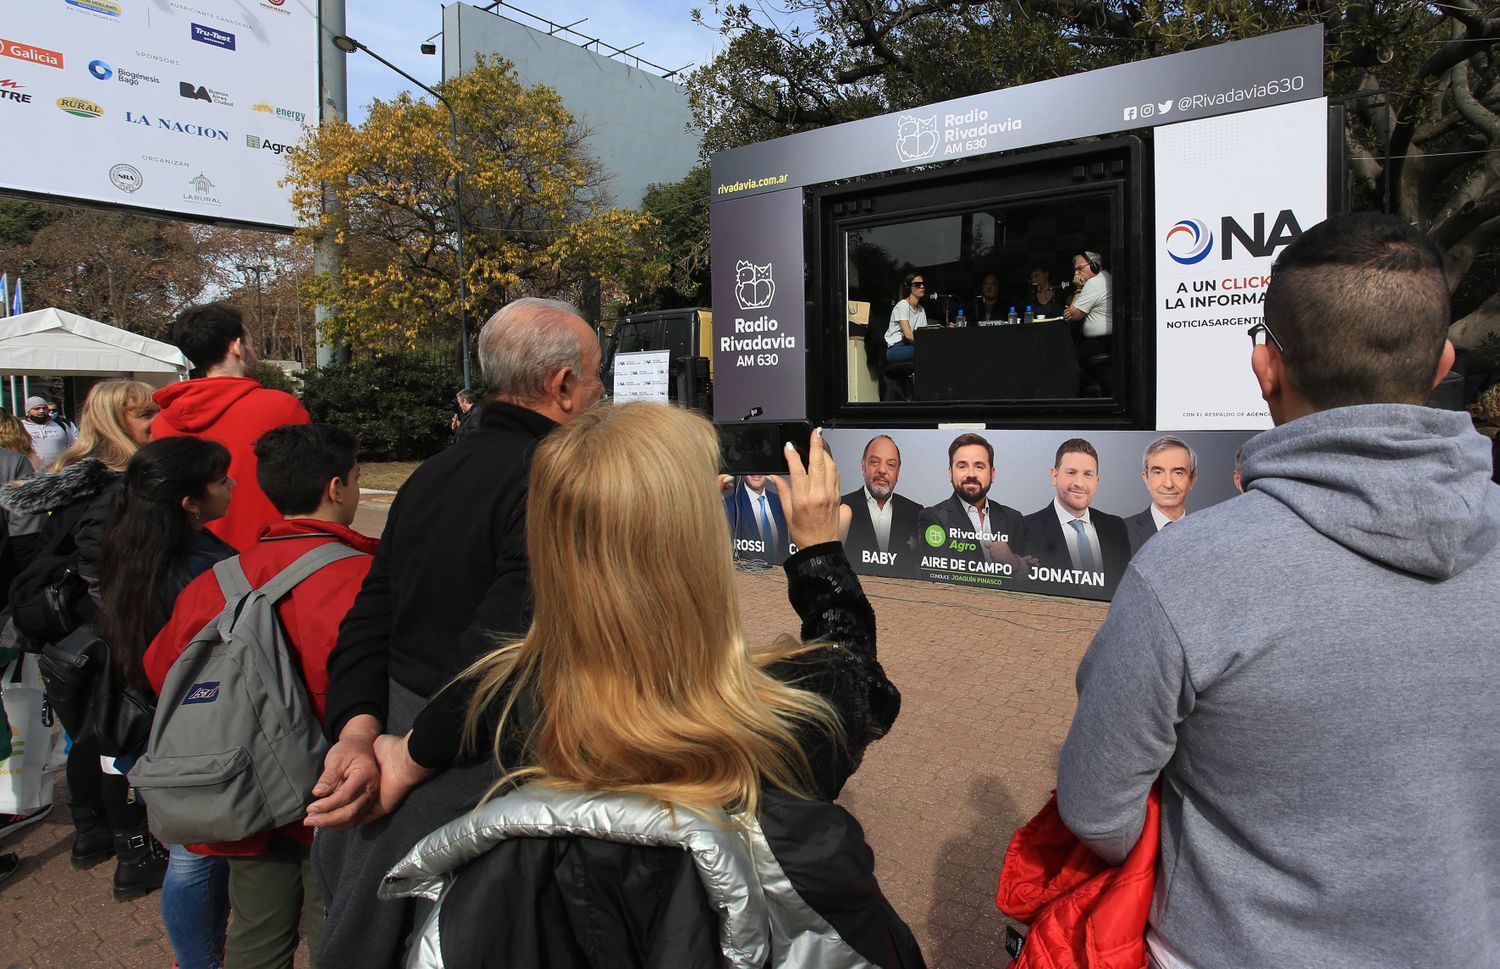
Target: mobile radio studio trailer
<point>1187,173</point>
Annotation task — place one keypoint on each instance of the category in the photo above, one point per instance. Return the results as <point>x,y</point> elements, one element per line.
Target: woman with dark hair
<point>74,497</point>
<point>154,546</point>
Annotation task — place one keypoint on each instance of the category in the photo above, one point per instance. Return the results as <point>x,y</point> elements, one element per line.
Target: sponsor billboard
<point>1231,193</point>
<point>177,106</point>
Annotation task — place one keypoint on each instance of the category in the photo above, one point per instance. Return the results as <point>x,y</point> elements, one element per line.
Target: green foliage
<point>274,377</point>
<point>398,404</point>
<point>678,238</point>
<point>20,220</point>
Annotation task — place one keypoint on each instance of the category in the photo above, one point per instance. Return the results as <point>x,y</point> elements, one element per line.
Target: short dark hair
<point>296,461</point>
<point>1075,445</point>
<point>467,396</point>
<point>204,333</point>
<point>1360,306</point>
<point>964,440</point>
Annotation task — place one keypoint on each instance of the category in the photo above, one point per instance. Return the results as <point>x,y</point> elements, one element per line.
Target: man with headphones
<point>1092,306</point>
<point>907,317</point>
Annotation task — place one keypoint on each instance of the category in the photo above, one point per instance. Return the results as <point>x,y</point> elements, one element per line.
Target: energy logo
<point>754,288</point>
<point>916,138</point>
<point>1189,242</point>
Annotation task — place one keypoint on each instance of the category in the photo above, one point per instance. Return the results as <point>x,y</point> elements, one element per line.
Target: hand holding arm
<point>351,777</point>
<point>398,772</point>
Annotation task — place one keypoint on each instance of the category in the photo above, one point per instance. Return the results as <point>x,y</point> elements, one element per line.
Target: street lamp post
<point>260,314</point>
<point>349,45</point>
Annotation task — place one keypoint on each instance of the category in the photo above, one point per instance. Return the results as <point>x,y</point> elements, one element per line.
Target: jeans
<point>900,353</point>
<point>195,907</point>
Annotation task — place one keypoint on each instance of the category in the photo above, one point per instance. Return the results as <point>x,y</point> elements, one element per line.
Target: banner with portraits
<point>1058,512</point>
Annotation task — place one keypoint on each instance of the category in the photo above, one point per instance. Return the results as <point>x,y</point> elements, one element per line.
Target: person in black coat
<point>450,576</point>
<point>1090,561</point>
<point>878,526</point>
<point>640,692</point>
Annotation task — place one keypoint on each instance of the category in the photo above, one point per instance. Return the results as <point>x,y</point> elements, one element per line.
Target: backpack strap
<point>232,581</point>
<point>305,565</point>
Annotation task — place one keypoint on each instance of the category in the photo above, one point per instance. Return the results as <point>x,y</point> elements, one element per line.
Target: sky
<point>395,29</point>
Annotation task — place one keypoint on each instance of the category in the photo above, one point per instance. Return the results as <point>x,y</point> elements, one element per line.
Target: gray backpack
<point>235,748</point>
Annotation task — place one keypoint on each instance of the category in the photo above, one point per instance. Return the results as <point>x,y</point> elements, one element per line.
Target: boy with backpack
<point>311,475</point>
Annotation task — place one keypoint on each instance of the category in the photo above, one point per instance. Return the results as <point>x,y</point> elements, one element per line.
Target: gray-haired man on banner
<point>1310,668</point>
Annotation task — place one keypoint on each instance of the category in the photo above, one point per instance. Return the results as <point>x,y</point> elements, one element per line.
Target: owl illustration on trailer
<point>754,288</point>
<point>916,138</point>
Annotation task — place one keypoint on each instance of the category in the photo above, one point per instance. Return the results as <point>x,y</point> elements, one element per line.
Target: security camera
<point>429,48</point>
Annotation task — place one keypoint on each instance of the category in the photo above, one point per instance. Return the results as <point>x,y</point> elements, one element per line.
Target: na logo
<point>916,138</point>
<point>754,288</point>
<point>1189,242</point>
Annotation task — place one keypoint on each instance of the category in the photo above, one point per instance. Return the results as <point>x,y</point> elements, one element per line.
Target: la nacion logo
<point>1189,241</point>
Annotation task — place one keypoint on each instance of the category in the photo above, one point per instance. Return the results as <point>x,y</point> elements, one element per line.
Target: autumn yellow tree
<point>537,220</point>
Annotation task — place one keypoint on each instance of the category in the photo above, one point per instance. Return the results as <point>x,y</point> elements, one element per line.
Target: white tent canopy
<point>54,343</point>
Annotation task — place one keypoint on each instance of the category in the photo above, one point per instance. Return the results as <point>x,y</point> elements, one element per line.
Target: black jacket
<point>903,540</point>
<point>450,574</point>
<point>576,901</point>
<point>1046,542</point>
<point>78,501</point>
<point>1002,521</point>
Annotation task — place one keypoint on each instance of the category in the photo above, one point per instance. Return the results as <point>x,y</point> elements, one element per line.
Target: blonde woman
<point>75,494</point>
<point>13,438</point>
<point>676,779</point>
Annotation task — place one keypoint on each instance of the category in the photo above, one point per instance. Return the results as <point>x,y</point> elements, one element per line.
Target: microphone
<point>754,412</point>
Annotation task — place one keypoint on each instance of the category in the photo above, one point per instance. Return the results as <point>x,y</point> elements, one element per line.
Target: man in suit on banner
<point>997,531</point>
<point>755,515</point>
<point>1170,469</point>
<point>1071,537</point>
<point>878,526</point>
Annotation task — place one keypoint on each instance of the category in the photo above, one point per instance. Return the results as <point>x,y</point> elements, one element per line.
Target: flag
<point>4,294</point>
<point>16,306</point>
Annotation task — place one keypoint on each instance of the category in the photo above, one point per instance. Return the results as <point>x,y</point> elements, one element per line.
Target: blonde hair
<point>101,427</point>
<point>635,652</point>
<point>13,436</point>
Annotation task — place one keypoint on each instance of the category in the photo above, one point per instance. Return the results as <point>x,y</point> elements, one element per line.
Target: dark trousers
<point>272,895</point>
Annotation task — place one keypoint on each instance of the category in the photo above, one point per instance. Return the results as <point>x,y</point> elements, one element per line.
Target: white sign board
<point>642,376</point>
<point>180,107</point>
<point>1231,193</point>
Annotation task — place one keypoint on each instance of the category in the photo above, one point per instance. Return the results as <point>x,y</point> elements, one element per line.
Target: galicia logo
<point>101,70</point>
<point>206,692</point>
<point>1189,242</point>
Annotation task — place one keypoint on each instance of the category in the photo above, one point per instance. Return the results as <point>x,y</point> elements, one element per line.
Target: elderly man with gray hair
<point>450,575</point>
<point>1169,469</point>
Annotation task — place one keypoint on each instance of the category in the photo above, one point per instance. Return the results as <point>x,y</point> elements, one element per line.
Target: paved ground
<point>987,683</point>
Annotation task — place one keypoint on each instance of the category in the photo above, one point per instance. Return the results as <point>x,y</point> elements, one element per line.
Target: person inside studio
<point>907,318</point>
<point>1092,306</point>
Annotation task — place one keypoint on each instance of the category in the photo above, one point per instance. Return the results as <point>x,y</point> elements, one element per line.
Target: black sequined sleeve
<point>831,603</point>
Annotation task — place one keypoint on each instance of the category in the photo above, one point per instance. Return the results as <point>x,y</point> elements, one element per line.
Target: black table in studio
<point>996,362</point>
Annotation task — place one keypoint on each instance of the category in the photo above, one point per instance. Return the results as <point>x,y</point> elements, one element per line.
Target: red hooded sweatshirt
<point>234,411</point>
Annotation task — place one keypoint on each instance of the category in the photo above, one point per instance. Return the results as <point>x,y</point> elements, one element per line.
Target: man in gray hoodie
<point>1312,667</point>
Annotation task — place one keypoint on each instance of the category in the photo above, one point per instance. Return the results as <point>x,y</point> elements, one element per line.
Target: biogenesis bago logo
<point>1190,241</point>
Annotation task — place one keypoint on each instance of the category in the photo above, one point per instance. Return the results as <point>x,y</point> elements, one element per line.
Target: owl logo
<point>916,138</point>
<point>753,286</point>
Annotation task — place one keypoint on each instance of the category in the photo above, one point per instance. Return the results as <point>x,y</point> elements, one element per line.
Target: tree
<point>263,274</point>
<point>124,270</point>
<point>537,219</point>
<point>1434,138</point>
<point>397,404</point>
<point>678,236</point>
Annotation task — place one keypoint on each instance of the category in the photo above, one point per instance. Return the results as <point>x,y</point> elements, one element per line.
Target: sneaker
<point>11,823</point>
<point>8,865</point>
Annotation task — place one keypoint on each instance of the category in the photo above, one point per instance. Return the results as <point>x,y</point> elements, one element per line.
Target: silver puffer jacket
<point>763,920</point>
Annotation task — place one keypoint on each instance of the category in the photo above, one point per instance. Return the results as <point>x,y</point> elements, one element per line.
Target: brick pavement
<point>987,681</point>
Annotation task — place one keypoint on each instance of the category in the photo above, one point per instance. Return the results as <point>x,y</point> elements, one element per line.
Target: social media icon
<point>1130,113</point>
<point>1162,107</point>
